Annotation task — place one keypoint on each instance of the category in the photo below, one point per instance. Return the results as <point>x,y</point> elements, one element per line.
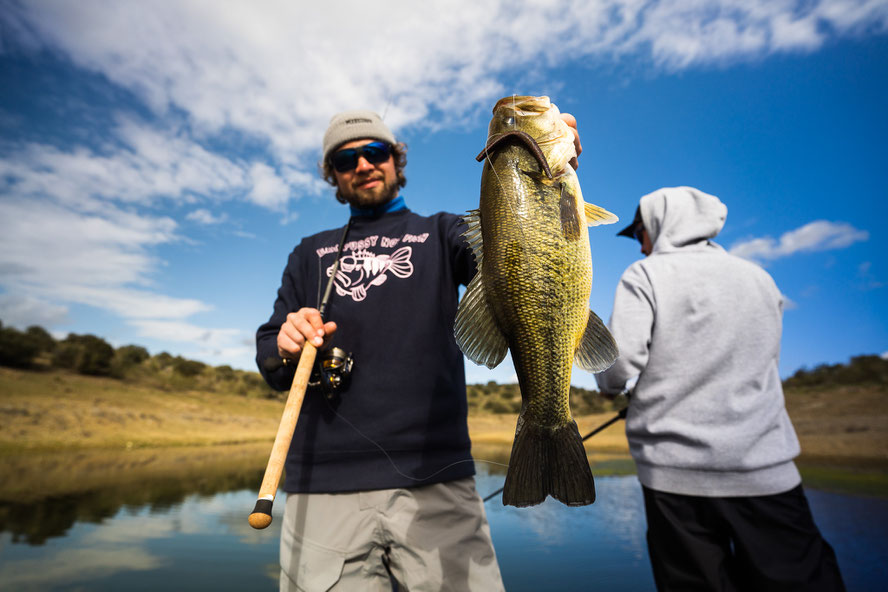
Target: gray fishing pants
<point>434,537</point>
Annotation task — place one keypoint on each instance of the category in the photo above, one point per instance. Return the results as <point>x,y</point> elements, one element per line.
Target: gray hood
<point>677,217</point>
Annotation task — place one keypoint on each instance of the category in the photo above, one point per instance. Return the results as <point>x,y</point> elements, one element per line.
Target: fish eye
<point>509,120</point>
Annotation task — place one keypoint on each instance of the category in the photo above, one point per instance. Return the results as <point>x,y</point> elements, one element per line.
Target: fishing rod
<point>261,515</point>
<point>605,425</point>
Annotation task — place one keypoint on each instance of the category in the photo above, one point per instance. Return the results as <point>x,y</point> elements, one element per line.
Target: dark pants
<point>735,544</point>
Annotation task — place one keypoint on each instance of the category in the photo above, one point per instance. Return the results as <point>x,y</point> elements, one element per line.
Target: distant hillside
<point>35,349</point>
<point>506,398</point>
<point>861,370</point>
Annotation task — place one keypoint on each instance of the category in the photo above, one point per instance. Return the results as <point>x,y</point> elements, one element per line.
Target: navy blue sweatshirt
<point>394,301</point>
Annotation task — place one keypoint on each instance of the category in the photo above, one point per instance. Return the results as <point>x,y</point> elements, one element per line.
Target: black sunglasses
<point>636,232</point>
<point>347,160</point>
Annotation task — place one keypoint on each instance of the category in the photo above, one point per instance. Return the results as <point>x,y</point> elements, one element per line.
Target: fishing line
<point>388,104</point>
<point>392,461</point>
<point>320,281</point>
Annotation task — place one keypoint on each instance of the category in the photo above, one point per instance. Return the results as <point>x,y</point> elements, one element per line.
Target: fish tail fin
<point>548,461</point>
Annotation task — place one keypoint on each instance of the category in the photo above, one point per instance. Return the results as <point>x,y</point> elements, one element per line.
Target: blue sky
<point>158,160</point>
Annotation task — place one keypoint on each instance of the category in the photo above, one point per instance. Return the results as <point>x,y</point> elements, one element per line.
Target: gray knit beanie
<point>355,125</point>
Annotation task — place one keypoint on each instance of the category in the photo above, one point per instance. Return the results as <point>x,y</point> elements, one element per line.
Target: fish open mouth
<point>522,138</point>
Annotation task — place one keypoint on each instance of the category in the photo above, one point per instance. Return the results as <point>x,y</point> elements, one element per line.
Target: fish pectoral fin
<point>475,329</point>
<point>597,350</point>
<point>595,216</point>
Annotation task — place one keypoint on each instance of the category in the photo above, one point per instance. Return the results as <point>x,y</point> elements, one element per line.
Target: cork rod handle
<point>261,516</point>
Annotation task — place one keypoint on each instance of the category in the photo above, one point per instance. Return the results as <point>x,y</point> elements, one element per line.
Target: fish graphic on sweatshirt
<point>362,269</point>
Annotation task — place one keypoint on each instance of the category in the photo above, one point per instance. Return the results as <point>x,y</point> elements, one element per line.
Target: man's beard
<point>372,197</point>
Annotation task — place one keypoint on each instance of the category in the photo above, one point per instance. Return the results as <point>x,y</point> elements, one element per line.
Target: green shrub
<point>85,354</point>
<point>225,373</point>
<point>127,359</point>
<point>503,406</point>
<point>187,368</point>
<point>131,355</point>
<point>17,349</point>
<point>41,338</point>
<point>163,360</point>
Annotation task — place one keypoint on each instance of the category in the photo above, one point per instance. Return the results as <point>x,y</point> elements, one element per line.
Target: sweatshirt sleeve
<point>289,299</point>
<point>631,325</point>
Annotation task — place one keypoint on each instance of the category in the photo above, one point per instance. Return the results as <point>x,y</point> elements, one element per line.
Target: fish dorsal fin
<point>597,350</point>
<point>596,216</point>
<point>475,329</point>
<point>473,235</point>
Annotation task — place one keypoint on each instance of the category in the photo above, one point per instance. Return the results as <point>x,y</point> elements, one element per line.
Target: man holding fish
<point>380,477</point>
<point>700,329</point>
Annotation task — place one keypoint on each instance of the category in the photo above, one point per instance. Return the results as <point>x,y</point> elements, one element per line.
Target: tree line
<point>506,398</point>
<point>35,349</point>
<point>871,370</point>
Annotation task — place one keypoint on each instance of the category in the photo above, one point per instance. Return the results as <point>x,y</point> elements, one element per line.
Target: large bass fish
<point>531,293</point>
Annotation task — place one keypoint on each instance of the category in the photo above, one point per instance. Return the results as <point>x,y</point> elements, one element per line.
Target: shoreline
<point>43,474</point>
<point>843,431</point>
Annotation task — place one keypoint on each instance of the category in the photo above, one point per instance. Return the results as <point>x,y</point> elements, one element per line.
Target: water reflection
<point>202,543</point>
<point>176,519</point>
<point>44,495</point>
<point>553,547</point>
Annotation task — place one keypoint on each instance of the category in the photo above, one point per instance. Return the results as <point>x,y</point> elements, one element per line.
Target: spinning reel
<point>332,371</point>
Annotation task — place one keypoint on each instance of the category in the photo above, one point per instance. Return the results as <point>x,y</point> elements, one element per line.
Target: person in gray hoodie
<point>700,330</point>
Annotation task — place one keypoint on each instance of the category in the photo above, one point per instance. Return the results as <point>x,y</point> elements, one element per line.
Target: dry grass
<point>54,411</point>
<point>492,433</point>
<point>69,433</point>
<point>847,424</point>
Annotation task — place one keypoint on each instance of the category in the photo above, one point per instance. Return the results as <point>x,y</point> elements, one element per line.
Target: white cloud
<point>184,332</point>
<point>213,346</point>
<point>151,167</point>
<point>76,566</point>
<point>22,311</point>
<point>820,235</point>
<point>86,224</point>
<point>46,244</point>
<point>278,73</point>
<point>54,254</point>
<point>867,280</point>
<point>206,217</point>
<point>269,190</point>
<point>683,33</point>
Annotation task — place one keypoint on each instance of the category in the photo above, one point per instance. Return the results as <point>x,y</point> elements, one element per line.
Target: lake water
<point>170,539</point>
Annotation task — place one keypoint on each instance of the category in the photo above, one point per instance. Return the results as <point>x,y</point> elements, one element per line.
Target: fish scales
<point>539,293</point>
<point>531,294</point>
